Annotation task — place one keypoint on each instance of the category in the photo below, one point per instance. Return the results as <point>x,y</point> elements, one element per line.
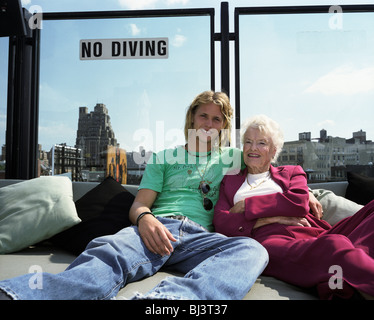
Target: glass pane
<point>138,104</point>
<point>4,48</point>
<point>313,74</point>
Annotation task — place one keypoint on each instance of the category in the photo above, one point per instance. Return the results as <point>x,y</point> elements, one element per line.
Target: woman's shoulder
<point>291,169</point>
<point>235,174</point>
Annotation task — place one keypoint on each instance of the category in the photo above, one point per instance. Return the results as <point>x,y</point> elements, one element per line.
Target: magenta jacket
<point>294,201</point>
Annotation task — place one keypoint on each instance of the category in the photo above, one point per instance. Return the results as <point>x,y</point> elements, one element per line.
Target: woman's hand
<point>289,221</point>
<point>239,207</point>
<point>155,235</point>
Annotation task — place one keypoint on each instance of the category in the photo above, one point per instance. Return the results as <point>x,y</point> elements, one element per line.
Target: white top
<point>257,185</point>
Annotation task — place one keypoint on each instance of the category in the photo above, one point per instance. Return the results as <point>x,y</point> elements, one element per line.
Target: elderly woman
<point>270,204</point>
<point>172,213</point>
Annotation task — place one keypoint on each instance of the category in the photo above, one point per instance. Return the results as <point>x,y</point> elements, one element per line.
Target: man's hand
<point>155,235</point>
<point>315,206</point>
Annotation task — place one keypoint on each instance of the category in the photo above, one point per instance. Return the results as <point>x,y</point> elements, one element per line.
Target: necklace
<point>258,184</point>
<point>202,174</point>
<point>205,188</point>
<point>197,155</point>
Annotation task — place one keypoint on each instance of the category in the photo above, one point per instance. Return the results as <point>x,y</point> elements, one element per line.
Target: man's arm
<point>154,234</point>
<point>142,203</point>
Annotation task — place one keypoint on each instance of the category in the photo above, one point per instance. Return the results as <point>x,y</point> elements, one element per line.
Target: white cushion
<point>335,208</point>
<point>34,210</point>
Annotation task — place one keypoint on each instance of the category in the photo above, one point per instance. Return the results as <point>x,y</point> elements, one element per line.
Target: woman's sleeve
<point>229,224</point>
<point>293,202</point>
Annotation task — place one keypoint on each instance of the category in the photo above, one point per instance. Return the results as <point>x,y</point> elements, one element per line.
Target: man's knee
<point>253,250</point>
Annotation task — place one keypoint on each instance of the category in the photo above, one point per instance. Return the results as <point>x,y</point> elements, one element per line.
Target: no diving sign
<point>101,49</point>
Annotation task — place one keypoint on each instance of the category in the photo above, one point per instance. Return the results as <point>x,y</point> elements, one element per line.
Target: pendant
<point>204,187</point>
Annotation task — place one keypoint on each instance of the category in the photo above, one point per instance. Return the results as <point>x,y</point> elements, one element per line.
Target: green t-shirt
<point>176,175</point>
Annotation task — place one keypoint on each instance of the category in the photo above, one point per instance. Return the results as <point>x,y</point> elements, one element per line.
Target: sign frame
<point>129,48</point>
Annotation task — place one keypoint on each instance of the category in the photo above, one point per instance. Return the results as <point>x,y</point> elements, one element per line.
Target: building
<point>329,158</point>
<point>43,162</point>
<point>136,163</point>
<point>94,136</point>
<point>66,160</point>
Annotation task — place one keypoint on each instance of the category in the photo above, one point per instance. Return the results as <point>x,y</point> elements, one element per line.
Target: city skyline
<point>323,158</point>
<point>160,132</point>
<point>302,86</point>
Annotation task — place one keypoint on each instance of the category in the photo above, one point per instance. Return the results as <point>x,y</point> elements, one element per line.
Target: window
<point>135,105</point>
<point>314,74</point>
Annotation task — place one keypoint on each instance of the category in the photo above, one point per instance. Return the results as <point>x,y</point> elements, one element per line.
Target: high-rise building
<point>94,135</point>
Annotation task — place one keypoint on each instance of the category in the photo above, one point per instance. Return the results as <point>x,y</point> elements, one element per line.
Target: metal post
<point>22,113</point>
<point>225,48</point>
<point>237,79</point>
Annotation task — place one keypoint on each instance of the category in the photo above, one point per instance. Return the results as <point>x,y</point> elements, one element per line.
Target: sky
<point>307,72</point>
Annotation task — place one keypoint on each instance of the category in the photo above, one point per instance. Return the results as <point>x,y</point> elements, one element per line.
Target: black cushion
<point>104,210</point>
<point>360,188</point>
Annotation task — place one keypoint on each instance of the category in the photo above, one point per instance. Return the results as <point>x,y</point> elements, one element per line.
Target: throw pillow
<point>34,210</point>
<point>335,208</point>
<point>360,188</point>
<point>104,210</point>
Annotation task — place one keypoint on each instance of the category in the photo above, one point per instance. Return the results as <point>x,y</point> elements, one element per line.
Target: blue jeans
<point>215,267</point>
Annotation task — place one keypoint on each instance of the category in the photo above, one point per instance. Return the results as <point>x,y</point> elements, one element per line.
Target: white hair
<point>266,126</point>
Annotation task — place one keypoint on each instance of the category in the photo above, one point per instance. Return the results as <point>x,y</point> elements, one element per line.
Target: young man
<point>172,215</point>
